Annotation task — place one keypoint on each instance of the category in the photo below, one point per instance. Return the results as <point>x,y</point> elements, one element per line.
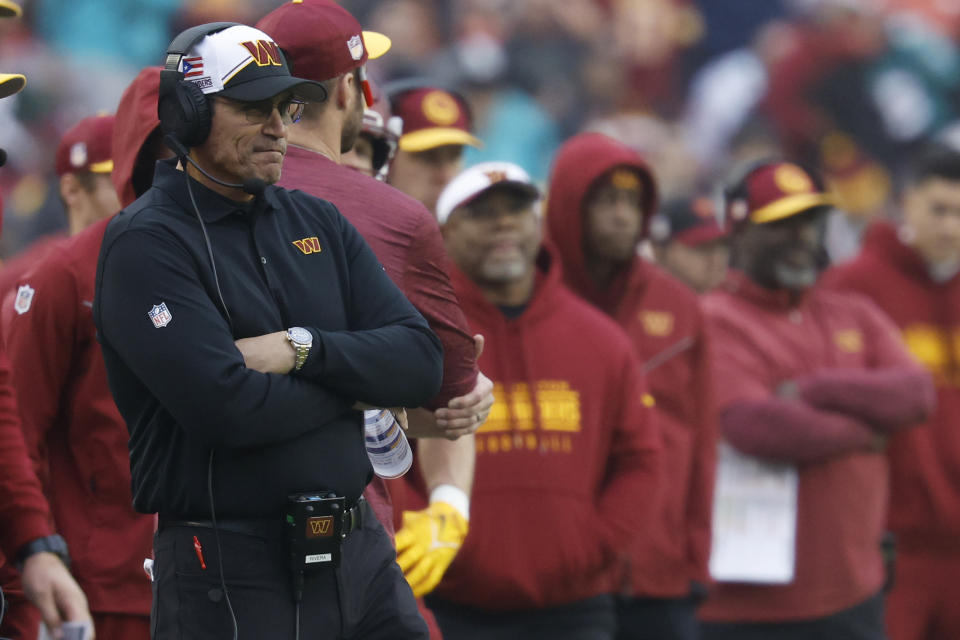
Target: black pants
<point>861,622</point>
<point>591,619</point>
<point>365,598</point>
<point>657,619</point>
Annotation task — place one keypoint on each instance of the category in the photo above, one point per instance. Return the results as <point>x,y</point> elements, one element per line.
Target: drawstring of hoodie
<point>531,386</point>
<point>501,365</point>
<point>504,327</point>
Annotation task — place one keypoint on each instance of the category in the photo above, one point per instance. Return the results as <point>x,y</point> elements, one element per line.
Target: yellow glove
<point>427,544</point>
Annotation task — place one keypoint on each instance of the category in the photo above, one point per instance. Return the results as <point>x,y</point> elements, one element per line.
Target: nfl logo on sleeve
<point>24,298</point>
<point>160,315</point>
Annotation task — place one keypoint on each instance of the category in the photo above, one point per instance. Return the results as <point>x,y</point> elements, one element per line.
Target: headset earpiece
<point>182,107</point>
<point>185,113</point>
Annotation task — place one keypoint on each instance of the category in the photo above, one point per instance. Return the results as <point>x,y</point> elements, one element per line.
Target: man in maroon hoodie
<point>602,195</point>
<point>72,426</point>
<point>815,381</point>
<point>24,510</point>
<point>568,454</point>
<point>84,164</point>
<point>911,272</point>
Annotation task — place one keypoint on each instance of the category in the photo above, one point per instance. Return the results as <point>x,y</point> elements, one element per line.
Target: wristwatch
<point>54,544</point>
<point>302,340</point>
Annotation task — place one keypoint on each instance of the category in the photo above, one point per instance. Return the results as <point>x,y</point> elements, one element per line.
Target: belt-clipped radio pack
<point>313,524</point>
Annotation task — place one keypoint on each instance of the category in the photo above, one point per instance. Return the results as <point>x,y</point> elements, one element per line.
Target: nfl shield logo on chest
<point>24,298</point>
<point>160,315</point>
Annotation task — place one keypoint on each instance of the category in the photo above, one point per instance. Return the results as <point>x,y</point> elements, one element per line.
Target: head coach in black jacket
<point>240,325</point>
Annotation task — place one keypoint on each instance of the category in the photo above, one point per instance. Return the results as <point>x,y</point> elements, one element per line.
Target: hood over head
<point>136,119</point>
<point>579,163</point>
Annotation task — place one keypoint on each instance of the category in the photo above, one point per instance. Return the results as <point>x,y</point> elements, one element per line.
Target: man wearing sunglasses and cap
<point>815,382</point>
<point>241,325</point>
<point>316,36</point>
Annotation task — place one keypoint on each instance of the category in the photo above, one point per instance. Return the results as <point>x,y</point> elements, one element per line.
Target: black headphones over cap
<point>182,107</point>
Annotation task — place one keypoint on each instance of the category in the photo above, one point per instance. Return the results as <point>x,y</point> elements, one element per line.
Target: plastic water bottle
<point>387,445</point>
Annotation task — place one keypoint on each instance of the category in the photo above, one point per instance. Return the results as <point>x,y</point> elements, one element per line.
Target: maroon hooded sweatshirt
<point>855,382</point>
<point>24,511</point>
<point>566,460</point>
<point>924,462</point>
<point>662,317</point>
<point>72,428</point>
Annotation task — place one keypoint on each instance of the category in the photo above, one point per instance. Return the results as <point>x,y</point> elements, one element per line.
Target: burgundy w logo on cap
<point>264,52</point>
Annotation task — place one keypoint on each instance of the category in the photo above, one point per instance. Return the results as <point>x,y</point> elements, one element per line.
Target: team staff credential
<point>238,383</point>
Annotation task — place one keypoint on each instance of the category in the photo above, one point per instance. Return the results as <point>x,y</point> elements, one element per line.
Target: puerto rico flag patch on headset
<point>160,315</point>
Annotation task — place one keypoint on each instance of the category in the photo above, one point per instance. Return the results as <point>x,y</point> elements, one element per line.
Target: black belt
<point>351,520</point>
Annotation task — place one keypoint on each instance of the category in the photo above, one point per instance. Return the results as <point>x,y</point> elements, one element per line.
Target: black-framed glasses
<point>291,109</point>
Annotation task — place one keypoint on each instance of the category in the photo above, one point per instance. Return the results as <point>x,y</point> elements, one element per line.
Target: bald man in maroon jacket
<point>816,380</point>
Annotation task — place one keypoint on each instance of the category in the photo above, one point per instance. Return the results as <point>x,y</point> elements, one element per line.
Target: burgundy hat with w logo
<point>322,39</point>
<point>245,64</point>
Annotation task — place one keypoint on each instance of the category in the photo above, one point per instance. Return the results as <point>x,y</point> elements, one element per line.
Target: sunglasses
<point>291,109</point>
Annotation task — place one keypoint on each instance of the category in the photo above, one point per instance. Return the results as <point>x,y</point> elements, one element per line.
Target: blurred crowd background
<point>848,86</point>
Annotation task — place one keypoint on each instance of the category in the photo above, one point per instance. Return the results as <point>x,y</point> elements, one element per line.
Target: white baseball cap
<point>478,179</point>
<point>245,64</point>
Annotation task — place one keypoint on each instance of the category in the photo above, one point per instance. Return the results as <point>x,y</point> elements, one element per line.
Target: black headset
<point>182,107</point>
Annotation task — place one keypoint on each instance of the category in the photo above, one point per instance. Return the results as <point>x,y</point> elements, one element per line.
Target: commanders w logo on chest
<point>308,245</point>
<point>657,323</point>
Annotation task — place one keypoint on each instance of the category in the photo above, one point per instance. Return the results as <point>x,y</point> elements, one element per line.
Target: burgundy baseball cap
<point>433,117</point>
<point>87,147</point>
<point>777,191</point>
<point>690,221</point>
<point>321,40</point>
